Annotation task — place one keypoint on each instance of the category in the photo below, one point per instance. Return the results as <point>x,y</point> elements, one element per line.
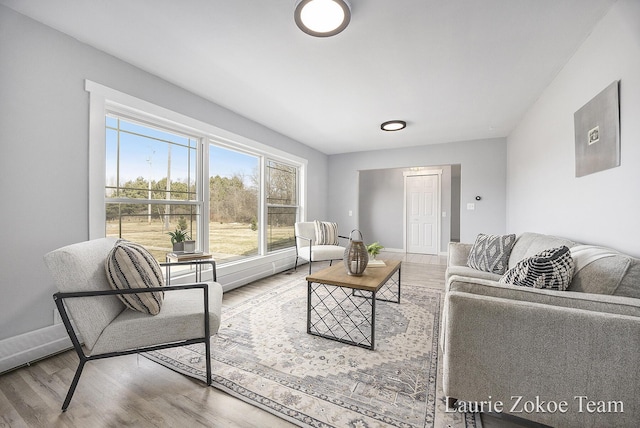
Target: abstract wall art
<point>597,132</point>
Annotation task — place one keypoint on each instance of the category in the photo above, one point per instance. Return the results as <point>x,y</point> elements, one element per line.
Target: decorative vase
<point>356,256</point>
<point>189,246</point>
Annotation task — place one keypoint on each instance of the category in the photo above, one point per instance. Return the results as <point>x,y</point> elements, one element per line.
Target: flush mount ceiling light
<point>322,18</point>
<point>393,125</point>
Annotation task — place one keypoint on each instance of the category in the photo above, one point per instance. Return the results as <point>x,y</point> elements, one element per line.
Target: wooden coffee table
<point>342,307</point>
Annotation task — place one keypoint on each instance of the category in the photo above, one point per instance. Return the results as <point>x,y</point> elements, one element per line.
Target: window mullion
<point>262,220</point>
<point>202,189</point>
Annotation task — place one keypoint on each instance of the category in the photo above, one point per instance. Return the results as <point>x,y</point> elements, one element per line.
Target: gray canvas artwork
<point>597,132</point>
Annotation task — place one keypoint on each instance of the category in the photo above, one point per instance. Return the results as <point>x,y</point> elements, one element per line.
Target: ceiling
<point>453,69</point>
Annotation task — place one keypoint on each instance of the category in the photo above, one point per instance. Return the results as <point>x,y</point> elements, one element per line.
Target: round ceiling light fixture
<point>322,18</point>
<point>393,125</point>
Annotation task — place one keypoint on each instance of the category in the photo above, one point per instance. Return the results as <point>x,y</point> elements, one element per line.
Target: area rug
<point>263,355</point>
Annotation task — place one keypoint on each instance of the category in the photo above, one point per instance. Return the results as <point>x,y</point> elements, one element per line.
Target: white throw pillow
<point>326,233</point>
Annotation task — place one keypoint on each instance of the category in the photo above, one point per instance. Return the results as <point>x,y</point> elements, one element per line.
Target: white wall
<point>543,193</point>
<point>482,172</point>
<point>44,118</point>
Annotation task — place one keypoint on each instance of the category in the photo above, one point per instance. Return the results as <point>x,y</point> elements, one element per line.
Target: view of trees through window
<point>151,189</point>
<point>233,203</point>
<point>234,185</point>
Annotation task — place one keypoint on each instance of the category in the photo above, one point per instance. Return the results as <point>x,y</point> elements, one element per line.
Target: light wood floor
<point>133,391</point>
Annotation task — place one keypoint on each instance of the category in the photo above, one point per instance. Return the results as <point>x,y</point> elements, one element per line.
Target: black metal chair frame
<point>59,301</point>
<point>295,267</point>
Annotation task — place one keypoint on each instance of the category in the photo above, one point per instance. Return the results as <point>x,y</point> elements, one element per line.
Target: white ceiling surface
<point>453,69</point>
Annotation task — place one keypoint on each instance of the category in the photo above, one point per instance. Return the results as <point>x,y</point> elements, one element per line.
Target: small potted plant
<point>181,241</point>
<point>374,250</point>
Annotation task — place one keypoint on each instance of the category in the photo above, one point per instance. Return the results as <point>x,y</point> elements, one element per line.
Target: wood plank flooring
<point>131,391</point>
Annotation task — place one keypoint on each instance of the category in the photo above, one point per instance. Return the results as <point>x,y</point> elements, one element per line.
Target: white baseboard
<point>26,348</point>
<point>233,280</point>
<point>234,275</point>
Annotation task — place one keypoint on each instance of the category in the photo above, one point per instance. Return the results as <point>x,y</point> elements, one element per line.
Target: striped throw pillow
<point>326,233</point>
<point>130,265</point>
<point>552,268</point>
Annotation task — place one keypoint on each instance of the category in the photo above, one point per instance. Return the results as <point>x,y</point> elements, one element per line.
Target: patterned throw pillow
<point>552,268</point>
<point>326,233</point>
<point>490,253</point>
<point>130,265</point>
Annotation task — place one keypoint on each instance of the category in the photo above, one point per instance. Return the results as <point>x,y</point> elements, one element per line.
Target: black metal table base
<point>347,315</point>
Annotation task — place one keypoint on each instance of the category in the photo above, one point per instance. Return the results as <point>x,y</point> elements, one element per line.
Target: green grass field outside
<point>227,241</point>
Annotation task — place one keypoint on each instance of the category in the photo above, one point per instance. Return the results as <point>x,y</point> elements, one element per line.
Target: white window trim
<point>103,99</point>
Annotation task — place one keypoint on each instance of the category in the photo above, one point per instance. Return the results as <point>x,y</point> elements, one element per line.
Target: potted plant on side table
<point>181,241</point>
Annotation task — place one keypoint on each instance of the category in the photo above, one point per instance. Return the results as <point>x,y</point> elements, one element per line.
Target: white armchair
<point>307,247</point>
<point>89,305</point>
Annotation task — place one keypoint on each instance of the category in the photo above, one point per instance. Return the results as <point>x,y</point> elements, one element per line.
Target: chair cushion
<point>552,268</point>
<point>326,233</point>
<point>490,253</point>
<point>130,265</point>
<point>327,252</point>
<point>181,318</point>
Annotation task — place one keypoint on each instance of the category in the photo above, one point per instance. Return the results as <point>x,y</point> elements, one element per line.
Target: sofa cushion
<point>490,253</point>
<point>600,274</point>
<point>130,265</point>
<point>529,244</point>
<point>552,268</point>
<point>326,233</point>
<point>630,284</point>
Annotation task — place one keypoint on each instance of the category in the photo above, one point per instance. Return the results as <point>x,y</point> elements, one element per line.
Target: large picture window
<point>154,171</point>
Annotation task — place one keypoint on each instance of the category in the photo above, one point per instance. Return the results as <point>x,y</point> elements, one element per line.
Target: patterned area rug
<point>263,355</point>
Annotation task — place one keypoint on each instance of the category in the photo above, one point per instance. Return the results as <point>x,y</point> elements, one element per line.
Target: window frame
<point>196,201</point>
<point>104,100</point>
<point>268,205</point>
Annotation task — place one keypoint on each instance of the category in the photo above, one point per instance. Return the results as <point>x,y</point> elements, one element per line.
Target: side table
<point>190,259</point>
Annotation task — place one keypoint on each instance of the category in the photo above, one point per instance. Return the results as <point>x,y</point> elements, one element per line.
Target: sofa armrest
<point>458,254</point>
<point>499,349</point>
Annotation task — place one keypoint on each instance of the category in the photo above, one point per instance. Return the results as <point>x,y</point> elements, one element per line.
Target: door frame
<point>420,172</point>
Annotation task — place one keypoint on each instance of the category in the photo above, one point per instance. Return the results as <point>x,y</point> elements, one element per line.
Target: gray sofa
<point>562,358</point>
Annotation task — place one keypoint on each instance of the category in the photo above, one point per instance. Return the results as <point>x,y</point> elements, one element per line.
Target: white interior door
<point>422,213</point>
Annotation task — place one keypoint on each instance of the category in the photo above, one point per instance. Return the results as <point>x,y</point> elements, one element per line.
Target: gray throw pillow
<point>130,265</point>
<point>490,253</point>
<point>552,268</point>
